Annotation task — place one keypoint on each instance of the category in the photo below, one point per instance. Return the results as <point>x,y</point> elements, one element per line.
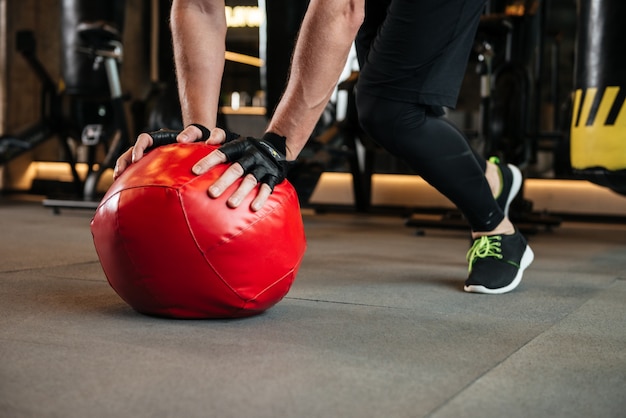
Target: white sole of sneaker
<point>527,258</point>
<point>515,186</point>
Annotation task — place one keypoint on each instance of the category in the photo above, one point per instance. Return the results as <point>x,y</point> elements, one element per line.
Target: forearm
<point>323,45</point>
<point>198,35</point>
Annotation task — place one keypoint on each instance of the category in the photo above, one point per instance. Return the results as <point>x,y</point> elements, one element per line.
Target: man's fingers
<point>218,136</point>
<point>143,141</point>
<point>214,158</point>
<point>190,134</point>
<point>132,155</point>
<point>122,163</point>
<point>230,176</point>
<point>246,186</point>
<point>264,193</point>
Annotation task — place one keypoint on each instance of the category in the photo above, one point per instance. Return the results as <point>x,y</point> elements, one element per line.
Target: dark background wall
<point>20,87</point>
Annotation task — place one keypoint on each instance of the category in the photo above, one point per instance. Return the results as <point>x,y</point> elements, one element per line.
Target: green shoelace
<point>485,246</point>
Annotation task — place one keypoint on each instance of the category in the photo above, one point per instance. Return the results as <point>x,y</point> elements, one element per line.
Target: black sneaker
<point>497,263</point>
<point>511,181</point>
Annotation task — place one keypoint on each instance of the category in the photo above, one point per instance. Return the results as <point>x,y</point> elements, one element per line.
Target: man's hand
<point>256,160</point>
<point>147,141</point>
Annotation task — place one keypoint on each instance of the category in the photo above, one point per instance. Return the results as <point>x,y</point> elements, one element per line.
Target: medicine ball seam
<point>226,240</point>
<point>183,208</point>
<point>272,212</point>
<point>104,201</point>
<point>289,273</point>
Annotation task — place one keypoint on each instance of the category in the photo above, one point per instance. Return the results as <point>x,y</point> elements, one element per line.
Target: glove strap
<point>206,133</point>
<point>162,137</point>
<point>278,142</point>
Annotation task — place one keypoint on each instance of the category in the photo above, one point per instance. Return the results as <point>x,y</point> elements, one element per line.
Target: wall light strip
<point>243,59</point>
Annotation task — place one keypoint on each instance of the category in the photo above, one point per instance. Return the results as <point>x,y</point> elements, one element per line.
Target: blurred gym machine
<point>341,143</point>
<point>92,56</point>
<point>88,114</point>
<point>51,124</point>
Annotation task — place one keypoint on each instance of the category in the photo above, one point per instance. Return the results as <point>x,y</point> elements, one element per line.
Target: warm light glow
<point>244,17</point>
<point>235,100</point>
<point>578,197</point>
<point>243,59</point>
<point>244,110</point>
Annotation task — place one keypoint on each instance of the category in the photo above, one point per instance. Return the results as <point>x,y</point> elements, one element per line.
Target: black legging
<point>413,55</point>
<point>436,150</point>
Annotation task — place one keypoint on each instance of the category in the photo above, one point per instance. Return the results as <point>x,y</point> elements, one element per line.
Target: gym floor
<point>376,325</point>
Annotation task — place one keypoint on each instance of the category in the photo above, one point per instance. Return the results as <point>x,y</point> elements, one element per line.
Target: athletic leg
<point>410,68</point>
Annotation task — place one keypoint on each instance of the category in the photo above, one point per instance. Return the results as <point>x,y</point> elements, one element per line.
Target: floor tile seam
<point>472,382</point>
<point>27,269</point>
<point>35,342</point>
<point>537,336</point>
<point>338,302</point>
<point>522,346</point>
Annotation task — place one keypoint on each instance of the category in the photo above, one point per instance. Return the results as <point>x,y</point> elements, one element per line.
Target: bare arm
<point>324,42</point>
<point>323,45</point>
<point>199,34</point>
<point>199,38</point>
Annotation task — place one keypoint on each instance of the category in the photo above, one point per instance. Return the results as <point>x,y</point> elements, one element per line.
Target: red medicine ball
<point>169,250</point>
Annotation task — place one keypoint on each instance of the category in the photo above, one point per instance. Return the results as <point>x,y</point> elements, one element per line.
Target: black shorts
<point>417,50</point>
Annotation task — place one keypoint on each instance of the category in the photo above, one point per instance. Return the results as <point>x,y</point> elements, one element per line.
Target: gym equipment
<point>346,140</point>
<point>109,130</point>
<point>52,122</point>
<point>89,113</point>
<point>96,122</point>
<point>169,250</point>
<point>598,128</point>
<point>80,76</point>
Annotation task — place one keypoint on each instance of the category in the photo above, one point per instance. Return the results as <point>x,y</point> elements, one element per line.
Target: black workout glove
<point>168,136</point>
<point>264,158</point>
<point>162,137</point>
